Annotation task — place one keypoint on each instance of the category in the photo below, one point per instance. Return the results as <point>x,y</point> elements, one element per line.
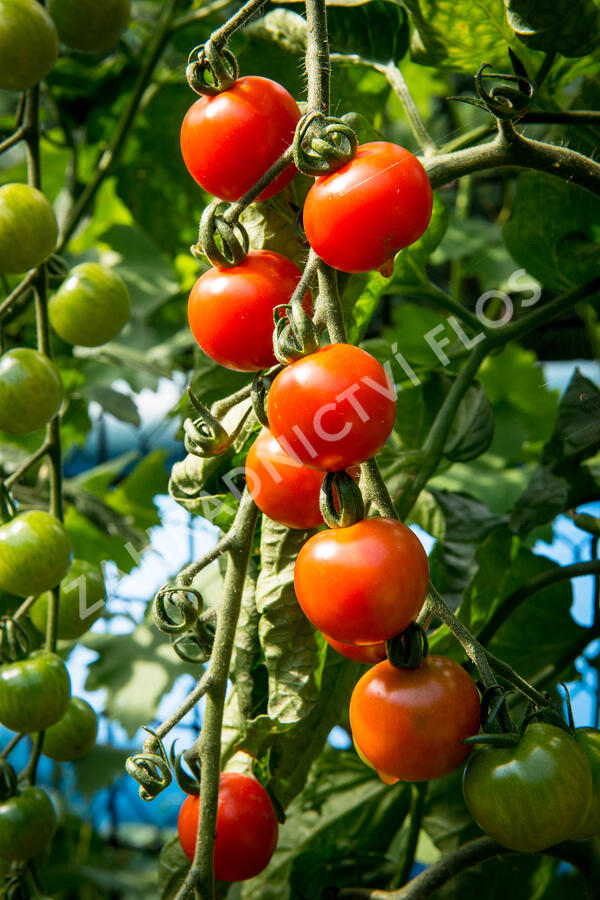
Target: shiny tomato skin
<point>89,25</point>
<point>332,409</point>
<point>31,390</point>
<point>362,584</point>
<point>28,227</point>
<point>74,733</point>
<point>27,824</point>
<point>364,653</point>
<point>282,488</point>
<point>91,306</point>
<point>532,795</point>
<point>589,741</point>
<point>246,832</point>
<point>35,553</point>
<point>230,310</point>
<point>28,44</point>
<point>358,217</point>
<point>229,141</point>
<point>410,723</point>
<point>34,692</point>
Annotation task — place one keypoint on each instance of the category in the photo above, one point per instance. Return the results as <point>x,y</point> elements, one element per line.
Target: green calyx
<point>224,244</point>
<point>219,65</point>
<point>186,602</point>
<point>323,144</point>
<point>341,500</point>
<point>408,649</point>
<point>14,643</point>
<point>295,334</point>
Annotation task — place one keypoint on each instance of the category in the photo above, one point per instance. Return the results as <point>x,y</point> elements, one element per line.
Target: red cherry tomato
<point>332,409</point>
<point>358,217</point>
<point>362,584</point>
<point>282,488</point>
<point>230,310</point>
<point>229,141</point>
<point>246,828</point>
<point>410,723</point>
<point>364,653</point>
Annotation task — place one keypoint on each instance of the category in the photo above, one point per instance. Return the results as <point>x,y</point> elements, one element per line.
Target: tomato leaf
<point>563,26</point>
<point>472,429</point>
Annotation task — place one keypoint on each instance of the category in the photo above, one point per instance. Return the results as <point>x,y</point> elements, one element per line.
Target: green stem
<point>330,306</point>
<point>511,149</point>
<point>113,150</point>
<point>24,467</point>
<point>578,853</point>
<point>318,67</point>
<point>553,307</point>
<point>13,139</point>
<point>208,747</point>
<point>434,605</point>
<point>220,37</point>
<point>400,88</point>
<point>11,745</point>
<point>24,608</point>
<point>21,289</point>
<point>376,489</point>
<point>531,587</point>
<point>204,685</point>
<point>434,443</point>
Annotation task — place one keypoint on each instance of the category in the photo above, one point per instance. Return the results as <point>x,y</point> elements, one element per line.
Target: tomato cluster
<point>363,581</point>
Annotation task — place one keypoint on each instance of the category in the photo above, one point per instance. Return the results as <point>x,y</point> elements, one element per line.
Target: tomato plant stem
<point>471,854</point>
<point>509,148</point>
<point>208,747</point>
<point>318,68</point>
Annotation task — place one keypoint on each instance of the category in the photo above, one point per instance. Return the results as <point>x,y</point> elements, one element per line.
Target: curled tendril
<point>150,768</point>
<point>323,143</point>
<point>187,601</point>
<point>14,643</point>
<point>8,780</point>
<point>408,649</point>
<point>188,783</point>
<point>507,100</point>
<point>260,387</point>
<point>340,500</point>
<point>205,435</point>
<point>195,645</point>
<point>232,245</point>
<point>295,334</point>
<point>218,64</point>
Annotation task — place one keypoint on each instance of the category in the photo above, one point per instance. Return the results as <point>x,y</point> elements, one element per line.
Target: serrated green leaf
<point>173,866</point>
<point>99,768</point>
<point>374,31</point>
<point>577,431</point>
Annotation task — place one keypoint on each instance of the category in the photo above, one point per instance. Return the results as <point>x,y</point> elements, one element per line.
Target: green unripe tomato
<point>34,692</point>
<point>28,44</point>
<point>74,734</point>
<point>27,824</point>
<point>91,306</point>
<point>31,390</point>
<point>35,553</point>
<point>88,24</point>
<point>28,228</point>
<point>82,590</point>
<point>532,795</point>
<point>589,741</point>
